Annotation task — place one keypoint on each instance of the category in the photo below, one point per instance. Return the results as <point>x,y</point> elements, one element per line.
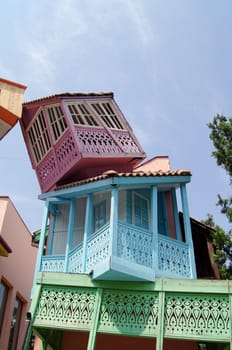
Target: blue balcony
<point>134,257</point>
<point>119,228</point>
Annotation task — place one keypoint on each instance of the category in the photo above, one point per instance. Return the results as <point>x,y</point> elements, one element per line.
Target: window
<point>99,215</point>
<point>162,215</point>
<point>106,112</point>
<point>81,115</point>
<point>18,306</point>
<point>57,121</point>
<point>140,214</point>
<point>3,299</point>
<point>38,137</point>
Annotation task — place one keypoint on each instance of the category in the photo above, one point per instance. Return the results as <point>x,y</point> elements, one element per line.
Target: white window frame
<point>38,137</point>
<point>57,122</point>
<point>106,111</point>
<point>82,114</point>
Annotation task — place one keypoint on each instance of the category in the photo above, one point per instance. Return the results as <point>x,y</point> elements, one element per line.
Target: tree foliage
<point>221,135</point>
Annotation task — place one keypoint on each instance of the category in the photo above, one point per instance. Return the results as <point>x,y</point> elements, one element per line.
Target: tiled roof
<point>71,94</point>
<point>112,173</point>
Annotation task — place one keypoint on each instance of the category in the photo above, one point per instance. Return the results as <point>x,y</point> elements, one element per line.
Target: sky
<point>168,62</point>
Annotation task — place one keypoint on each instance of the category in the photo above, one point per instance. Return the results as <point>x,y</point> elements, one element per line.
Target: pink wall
<point>17,269</point>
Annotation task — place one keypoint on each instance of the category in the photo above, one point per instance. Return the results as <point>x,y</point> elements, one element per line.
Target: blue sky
<point>168,63</point>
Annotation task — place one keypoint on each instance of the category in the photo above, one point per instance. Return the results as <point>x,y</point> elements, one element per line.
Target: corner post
<point>187,228</point>
<point>154,226</point>
<point>88,223</point>
<point>70,233</point>
<point>41,243</point>
<point>113,220</point>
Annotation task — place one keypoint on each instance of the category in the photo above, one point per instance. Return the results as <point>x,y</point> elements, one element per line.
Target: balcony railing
<point>133,244</point>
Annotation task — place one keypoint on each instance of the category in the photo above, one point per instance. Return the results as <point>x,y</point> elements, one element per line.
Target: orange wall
<point>16,270</point>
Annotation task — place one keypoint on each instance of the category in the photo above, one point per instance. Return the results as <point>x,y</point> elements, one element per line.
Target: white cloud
<point>142,25</point>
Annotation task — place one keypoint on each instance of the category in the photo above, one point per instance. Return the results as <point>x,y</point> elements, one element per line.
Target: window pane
<point>99,215</point>
<point>141,210</point>
<point>3,299</point>
<point>15,324</point>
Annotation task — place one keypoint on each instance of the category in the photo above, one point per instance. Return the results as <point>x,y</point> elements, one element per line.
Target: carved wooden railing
<point>197,310</point>
<point>133,244</point>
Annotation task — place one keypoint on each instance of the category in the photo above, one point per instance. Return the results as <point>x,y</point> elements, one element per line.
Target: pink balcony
<point>73,136</point>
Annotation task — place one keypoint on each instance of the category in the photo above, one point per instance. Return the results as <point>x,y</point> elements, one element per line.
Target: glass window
<point>18,306</point>
<point>162,215</point>
<point>106,112</point>
<point>38,137</point>
<point>57,121</point>
<point>81,115</point>
<point>3,299</point>
<point>140,210</point>
<point>99,215</point>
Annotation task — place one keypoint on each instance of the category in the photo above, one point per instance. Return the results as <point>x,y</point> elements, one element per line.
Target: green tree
<point>221,135</point>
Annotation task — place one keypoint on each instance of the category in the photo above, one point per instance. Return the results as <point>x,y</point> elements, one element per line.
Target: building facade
<point>17,263</point>
<point>118,267</point>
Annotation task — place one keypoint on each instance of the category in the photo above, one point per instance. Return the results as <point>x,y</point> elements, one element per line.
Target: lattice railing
<point>195,315</point>
<point>125,140</point>
<point>66,151</point>
<point>75,259</point>
<point>178,309</point>
<point>128,312</point>
<point>98,247</point>
<point>173,257</point>
<point>66,307</point>
<point>53,263</point>
<point>47,171</point>
<point>96,141</point>
<point>134,244</point>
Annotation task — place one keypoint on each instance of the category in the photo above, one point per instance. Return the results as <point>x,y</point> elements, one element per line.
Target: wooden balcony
<point>74,136</point>
<point>133,258</point>
<point>174,310</point>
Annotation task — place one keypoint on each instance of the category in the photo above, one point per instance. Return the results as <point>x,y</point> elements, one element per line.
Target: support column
<point>70,233</point>
<point>41,243</point>
<point>113,220</point>
<point>160,326</point>
<point>88,224</point>
<point>187,228</point>
<point>154,226</point>
<point>176,218</point>
<point>51,230</point>
<point>93,330</point>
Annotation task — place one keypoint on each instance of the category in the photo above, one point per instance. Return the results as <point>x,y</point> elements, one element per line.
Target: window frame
<point>3,302</point>
<point>84,115</point>
<point>142,199</point>
<point>106,112</point>
<point>16,316</point>
<point>38,137</point>
<point>99,210</point>
<point>163,227</point>
<point>57,121</point>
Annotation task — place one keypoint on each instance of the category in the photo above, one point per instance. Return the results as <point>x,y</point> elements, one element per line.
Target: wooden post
<point>187,228</point>
<point>154,226</point>
<point>70,233</point>
<point>88,224</point>
<point>160,326</point>
<point>176,218</point>
<point>114,220</point>
<point>93,330</point>
<point>51,230</point>
<point>41,243</point>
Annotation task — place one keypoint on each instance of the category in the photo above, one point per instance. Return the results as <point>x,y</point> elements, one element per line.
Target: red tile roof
<point>72,94</point>
<point>112,173</point>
